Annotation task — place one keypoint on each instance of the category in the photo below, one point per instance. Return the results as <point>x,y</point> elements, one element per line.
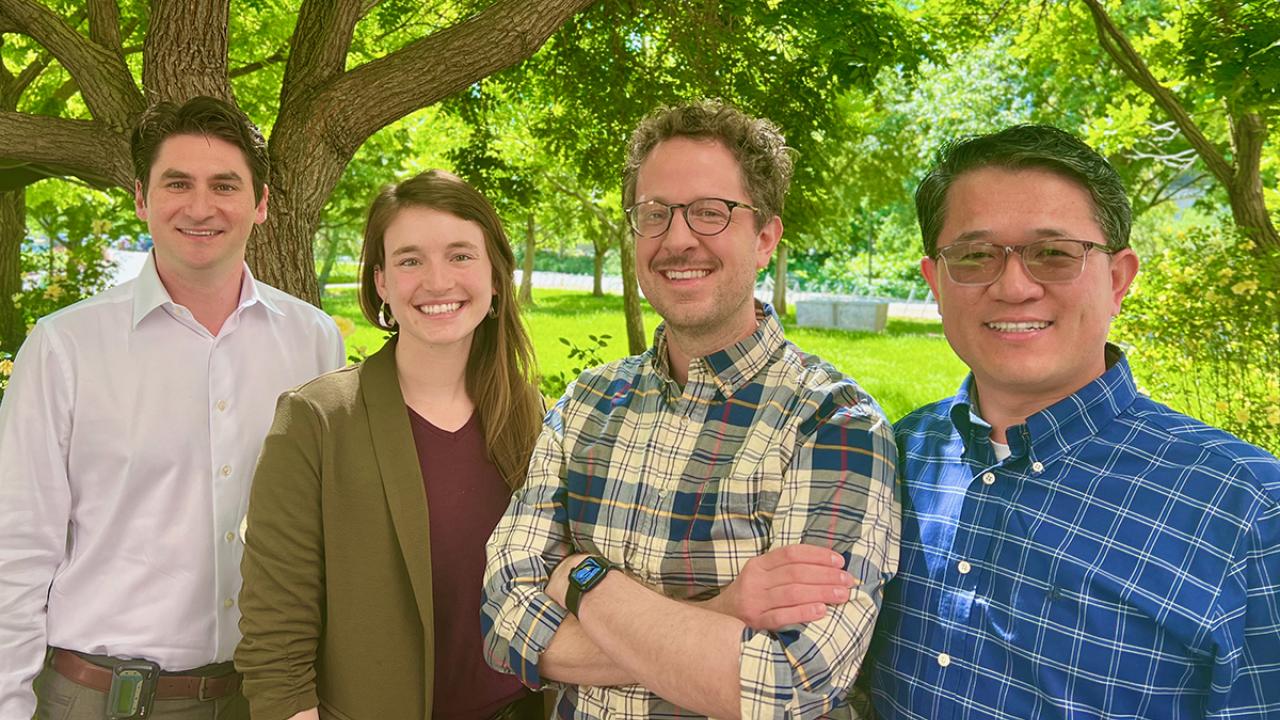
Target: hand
<point>558,583</point>
<point>785,586</point>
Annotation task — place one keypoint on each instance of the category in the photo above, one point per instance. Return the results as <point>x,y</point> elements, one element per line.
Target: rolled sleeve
<point>518,618</point>
<point>839,493</point>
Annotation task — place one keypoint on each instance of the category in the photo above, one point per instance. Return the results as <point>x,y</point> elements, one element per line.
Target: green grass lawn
<point>910,364</point>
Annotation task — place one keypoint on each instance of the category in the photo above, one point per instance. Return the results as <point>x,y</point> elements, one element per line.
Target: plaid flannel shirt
<point>1124,562</point>
<point>763,447</point>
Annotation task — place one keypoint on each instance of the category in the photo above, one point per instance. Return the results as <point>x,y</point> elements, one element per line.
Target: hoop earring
<point>384,314</point>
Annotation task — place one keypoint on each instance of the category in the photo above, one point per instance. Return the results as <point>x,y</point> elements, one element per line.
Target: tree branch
<point>320,43</point>
<point>369,97</point>
<point>274,58</point>
<point>106,84</point>
<point>104,25</point>
<point>43,145</point>
<point>1119,48</point>
<point>29,74</point>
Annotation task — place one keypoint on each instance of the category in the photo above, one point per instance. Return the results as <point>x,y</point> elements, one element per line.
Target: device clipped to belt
<point>133,689</point>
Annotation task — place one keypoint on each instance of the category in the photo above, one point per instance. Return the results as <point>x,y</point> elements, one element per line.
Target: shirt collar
<point>149,293</point>
<point>732,367</point>
<point>1050,432</point>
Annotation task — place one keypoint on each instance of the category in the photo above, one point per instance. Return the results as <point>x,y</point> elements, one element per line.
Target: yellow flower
<point>1244,286</point>
<point>6,367</point>
<point>1221,406</point>
<point>1242,416</point>
<point>1273,417</point>
<point>53,292</point>
<point>100,227</point>
<point>345,326</point>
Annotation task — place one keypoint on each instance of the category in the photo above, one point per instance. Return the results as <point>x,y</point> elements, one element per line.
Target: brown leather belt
<point>168,687</point>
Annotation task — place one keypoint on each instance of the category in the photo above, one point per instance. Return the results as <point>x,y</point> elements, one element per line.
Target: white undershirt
<point>128,439</point>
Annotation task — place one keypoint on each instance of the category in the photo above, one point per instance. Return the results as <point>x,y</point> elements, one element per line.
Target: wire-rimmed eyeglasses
<point>704,216</point>
<point>1052,260</point>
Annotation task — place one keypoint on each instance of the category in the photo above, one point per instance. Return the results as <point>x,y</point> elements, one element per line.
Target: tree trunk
<point>329,238</point>
<point>601,246</point>
<point>13,229</point>
<point>780,280</point>
<point>325,113</point>
<point>304,170</point>
<point>530,249</point>
<point>1244,192</point>
<point>636,340</point>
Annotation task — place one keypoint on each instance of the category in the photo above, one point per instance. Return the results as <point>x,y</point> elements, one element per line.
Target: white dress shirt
<point>128,439</point>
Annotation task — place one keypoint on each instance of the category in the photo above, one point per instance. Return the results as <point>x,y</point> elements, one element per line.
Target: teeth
<point>201,233</point>
<point>1018,326</point>
<point>439,309</point>
<point>685,274</point>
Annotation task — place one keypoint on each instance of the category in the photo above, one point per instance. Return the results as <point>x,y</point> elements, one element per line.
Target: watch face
<point>587,571</point>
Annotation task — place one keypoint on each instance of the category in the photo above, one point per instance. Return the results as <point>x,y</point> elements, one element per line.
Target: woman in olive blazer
<point>338,610</point>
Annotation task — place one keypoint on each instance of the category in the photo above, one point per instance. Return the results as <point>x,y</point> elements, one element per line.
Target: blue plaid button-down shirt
<point>1123,562</point>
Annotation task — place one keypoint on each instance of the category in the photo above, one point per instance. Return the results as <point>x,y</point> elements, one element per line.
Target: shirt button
<point>1037,467</point>
<point>963,567</point>
<point>226,470</point>
<point>228,603</point>
<point>230,536</point>
<point>222,406</point>
<point>988,478</point>
<point>943,659</point>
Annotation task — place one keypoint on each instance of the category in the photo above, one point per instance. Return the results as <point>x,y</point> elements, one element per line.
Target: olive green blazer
<point>336,604</point>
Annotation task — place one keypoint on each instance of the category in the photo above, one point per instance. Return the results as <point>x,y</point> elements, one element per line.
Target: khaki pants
<point>57,698</point>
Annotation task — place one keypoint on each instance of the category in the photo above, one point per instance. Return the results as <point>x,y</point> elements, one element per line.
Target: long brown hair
<point>500,367</point>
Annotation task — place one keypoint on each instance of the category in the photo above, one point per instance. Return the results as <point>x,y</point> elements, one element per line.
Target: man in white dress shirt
<point>128,437</point>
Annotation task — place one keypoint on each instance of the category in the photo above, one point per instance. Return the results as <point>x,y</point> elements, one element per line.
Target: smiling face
<point>1029,344</point>
<point>437,279</point>
<point>199,207</point>
<point>702,286</point>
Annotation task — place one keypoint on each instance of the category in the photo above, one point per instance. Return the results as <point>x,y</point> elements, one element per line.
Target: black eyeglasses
<point>704,216</point>
<point>1053,260</point>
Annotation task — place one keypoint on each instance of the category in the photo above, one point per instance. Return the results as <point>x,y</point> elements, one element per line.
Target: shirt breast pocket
<point>721,522</point>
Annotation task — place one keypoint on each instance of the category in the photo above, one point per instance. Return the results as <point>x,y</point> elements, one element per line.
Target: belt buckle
<point>200,691</point>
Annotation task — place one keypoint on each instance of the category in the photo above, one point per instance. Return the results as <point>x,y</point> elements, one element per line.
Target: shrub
<point>1202,328</point>
<point>553,386</point>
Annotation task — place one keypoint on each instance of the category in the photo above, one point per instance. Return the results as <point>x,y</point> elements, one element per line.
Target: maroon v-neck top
<point>465,499</point>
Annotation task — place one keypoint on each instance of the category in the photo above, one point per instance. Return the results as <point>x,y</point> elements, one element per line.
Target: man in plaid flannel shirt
<point>725,502</point>
<point>1070,548</point>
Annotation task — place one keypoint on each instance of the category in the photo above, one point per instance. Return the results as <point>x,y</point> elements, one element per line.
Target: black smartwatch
<point>582,578</point>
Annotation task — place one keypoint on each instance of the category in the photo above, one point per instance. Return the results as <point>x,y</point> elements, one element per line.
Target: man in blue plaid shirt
<point>706,527</point>
<point>1070,548</point>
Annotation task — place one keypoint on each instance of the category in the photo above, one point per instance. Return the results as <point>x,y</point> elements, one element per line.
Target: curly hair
<point>756,143</point>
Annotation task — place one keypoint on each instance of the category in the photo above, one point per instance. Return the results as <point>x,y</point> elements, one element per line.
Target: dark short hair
<point>201,115</point>
<point>1025,147</point>
<point>756,143</point>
